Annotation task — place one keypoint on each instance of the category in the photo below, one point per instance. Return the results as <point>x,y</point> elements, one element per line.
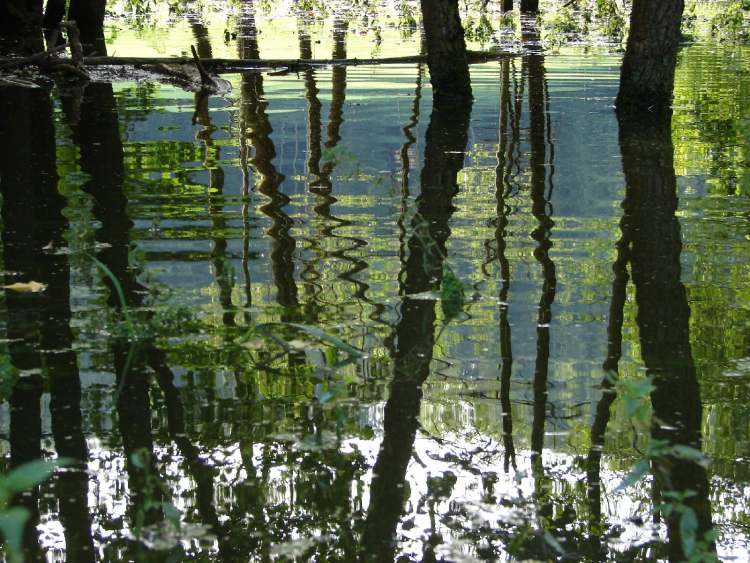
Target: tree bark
<point>446,50</point>
<point>647,74</point>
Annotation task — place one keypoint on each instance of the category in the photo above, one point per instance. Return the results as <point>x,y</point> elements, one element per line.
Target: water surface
<point>243,318</point>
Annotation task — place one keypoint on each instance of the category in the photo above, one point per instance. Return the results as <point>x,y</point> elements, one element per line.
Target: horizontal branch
<point>235,65</point>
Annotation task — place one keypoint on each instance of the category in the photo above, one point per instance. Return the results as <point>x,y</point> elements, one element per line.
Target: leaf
<point>636,474</point>
<point>29,475</point>
<point>452,295</point>
<point>27,287</point>
<point>690,453</point>
<point>171,513</point>
<point>297,344</point>
<point>552,541</point>
<point>688,527</point>
<point>12,523</point>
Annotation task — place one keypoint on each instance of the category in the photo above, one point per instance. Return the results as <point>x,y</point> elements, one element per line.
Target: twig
<point>206,79</point>
<point>74,39</point>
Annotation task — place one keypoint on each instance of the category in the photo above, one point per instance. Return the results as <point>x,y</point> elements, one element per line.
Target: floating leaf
<point>27,287</point>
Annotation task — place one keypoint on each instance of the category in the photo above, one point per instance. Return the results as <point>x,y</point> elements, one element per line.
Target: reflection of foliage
<point>718,97</point>
<point>478,30</point>
<point>729,22</point>
<point>407,22</point>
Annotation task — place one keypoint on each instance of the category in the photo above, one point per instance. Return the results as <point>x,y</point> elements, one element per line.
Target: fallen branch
<point>237,65</point>
<point>32,60</point>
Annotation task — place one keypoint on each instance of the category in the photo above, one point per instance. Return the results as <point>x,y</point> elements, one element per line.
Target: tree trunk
<point>507,5</point>
<point>89,16</point>
<point>446,50</point>
<point>529,6</point>
<point>647,74</point>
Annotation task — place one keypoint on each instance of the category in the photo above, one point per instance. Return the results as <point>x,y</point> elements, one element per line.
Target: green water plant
<point>634,393</point>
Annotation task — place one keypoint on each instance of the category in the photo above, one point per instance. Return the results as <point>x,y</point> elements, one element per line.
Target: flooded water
<point>318,318</point>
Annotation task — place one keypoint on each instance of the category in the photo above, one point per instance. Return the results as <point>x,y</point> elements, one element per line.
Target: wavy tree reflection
<point>652,228</point>
<point>33,250</point>
<point>445,144</point>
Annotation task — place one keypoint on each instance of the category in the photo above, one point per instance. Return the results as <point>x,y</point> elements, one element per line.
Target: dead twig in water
<point>206,79</point>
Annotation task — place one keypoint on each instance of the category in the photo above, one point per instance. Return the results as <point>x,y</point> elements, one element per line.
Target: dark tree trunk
<point>507,5</point>
<point>89,16</point>
<point>504,157</point>
<point>529,6</point>
<point>446,49</point>
<point>31,217</point>
<point>652,228</point>
<point>647,74</point>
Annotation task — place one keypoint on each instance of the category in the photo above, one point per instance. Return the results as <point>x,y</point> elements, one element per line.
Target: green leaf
<point>171,513</point>
<point>28,475</point>
<point>636,474</point>
<point>452,295</point>
<point>690,453</point>
<point>688,527</point>
<point>552,541</point>
<point>12,523</point>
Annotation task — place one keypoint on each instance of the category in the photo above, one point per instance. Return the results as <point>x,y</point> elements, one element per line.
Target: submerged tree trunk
<point>446,49</point>
<point>647,74</point>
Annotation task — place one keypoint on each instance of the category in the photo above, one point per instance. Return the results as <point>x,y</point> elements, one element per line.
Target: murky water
<point>244,333</point>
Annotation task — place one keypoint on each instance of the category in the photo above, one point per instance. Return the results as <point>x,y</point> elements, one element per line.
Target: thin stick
<point>206,79</point>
